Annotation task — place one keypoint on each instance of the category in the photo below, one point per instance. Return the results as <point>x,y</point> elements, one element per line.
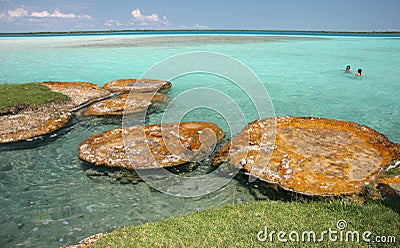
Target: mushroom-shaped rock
<point>32,123</point>
<point>152,146</point>
<point>79,92</point>
<point>137,85</point>
<point>49,117</point>
<point>125,104</point>
<point>312,156</point>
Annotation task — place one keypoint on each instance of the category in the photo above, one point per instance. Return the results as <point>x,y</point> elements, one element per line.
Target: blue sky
<point>71,15</point>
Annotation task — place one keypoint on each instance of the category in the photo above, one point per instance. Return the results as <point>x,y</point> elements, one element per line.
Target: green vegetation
<point>391,170</point>
<point>17,97</point>
<point>238,226</point>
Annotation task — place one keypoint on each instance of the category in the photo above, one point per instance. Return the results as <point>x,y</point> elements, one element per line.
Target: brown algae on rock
<point>313,156</point>
<point>49,117</point>
<point>79,92</point>
<point>137,85</point>
<point>152,146</point>
<point>126,104</point>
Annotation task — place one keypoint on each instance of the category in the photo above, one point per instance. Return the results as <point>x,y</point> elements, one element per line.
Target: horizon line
<point>197,30</point>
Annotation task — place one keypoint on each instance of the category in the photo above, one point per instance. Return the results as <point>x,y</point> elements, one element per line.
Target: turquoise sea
<point>46,198</point>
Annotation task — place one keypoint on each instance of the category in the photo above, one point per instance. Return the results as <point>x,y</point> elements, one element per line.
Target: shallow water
<point>46,197</point>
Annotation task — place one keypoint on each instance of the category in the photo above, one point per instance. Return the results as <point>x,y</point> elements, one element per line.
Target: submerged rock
<point>79,92</point>
<point>152,146</point>
<point>312,156</point>
<point>125,104</point>
<point>113,175</point>
<point>137,85</point>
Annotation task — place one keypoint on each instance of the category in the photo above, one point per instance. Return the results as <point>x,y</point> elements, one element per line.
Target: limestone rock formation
<point>48,118</point>
<point>87,241</point>
<point>152,146</point>
<point>32,123</point>
<point>79,92</point>
<point>312,156</point>
<point>137,85</point>
<point>125,104</point>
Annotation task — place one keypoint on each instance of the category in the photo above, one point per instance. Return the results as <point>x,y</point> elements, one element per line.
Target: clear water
<point>47,199</point>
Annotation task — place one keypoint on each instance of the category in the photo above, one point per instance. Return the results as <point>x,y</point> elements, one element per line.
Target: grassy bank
<point>17,97</point>
<point>238,226</point>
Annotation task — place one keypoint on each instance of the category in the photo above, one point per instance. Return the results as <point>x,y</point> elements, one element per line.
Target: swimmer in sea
<point>347,69</point>
<point>359,73</point>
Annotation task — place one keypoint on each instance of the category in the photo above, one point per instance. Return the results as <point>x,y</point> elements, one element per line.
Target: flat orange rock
<point>152,146</point>
<point>125,104</point>
<point>29,124</point>
<point>48,118</point>
<point>79,92</point>
<point>87,241</point>
<point>137,85</point>
<point>312,156</point>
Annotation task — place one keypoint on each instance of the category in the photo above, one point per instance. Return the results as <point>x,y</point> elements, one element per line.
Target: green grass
<point>17,97</point>
<point>238,225</point>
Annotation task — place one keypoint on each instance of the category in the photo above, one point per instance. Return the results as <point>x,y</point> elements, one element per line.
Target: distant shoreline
<point>205,31</point>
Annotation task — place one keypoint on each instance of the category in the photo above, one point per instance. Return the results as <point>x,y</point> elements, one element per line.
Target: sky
<point>75,15</point>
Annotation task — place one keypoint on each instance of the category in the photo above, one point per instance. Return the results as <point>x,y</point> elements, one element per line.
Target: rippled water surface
<point>46,197</point>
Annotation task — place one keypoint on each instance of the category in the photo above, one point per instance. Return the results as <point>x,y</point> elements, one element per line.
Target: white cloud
<point>18,12</point>
<point>113,23</point>
<point>21,12</point>
<point>59,14</point>
<point>87,17</point>
<point>197,26</point>
<point>165,21</point>
<point>148,21</point>
<point>137,14</point>
<point>200,26</point>
<point>43,13</point>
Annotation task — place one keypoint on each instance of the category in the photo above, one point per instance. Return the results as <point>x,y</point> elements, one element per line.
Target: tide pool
<point>48,200</point>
